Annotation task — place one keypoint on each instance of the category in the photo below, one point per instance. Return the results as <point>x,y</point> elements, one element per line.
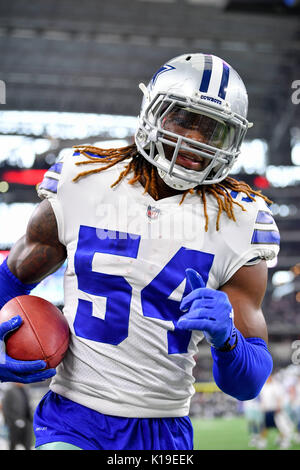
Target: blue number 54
<point>113,329</point>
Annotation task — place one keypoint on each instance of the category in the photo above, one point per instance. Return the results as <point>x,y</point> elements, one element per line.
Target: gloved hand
<point>209,311</point>
<point>12,370</point>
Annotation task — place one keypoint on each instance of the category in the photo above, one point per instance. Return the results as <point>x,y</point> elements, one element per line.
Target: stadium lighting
<point>4,186</point>
<point>282,176</point>
<point>253,157</point>
<point>282,277</point>
<point>295,154</point>
<point>16,216</point>
<point>66,125</point>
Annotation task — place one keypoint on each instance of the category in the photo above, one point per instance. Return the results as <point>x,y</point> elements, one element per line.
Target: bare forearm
<point>246,290</point>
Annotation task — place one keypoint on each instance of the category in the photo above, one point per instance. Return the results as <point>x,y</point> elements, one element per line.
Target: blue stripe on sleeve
<point>266,237</point>
<point>56,168</point>
<point>264,217</point>
<point>50,184</point>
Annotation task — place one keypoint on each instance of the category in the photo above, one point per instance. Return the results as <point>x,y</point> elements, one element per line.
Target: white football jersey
<point>125,278</point>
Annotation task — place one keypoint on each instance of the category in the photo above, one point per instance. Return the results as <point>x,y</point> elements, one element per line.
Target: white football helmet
<point>206,92</point>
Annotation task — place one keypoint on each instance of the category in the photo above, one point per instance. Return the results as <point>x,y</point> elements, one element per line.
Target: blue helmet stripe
<point>206,74</point>
<point>224,81</point>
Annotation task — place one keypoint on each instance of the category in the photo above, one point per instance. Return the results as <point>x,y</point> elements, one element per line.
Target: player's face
<point>194,126</point>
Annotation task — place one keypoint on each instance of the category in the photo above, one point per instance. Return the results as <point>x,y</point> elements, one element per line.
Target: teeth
<point>189,158</point>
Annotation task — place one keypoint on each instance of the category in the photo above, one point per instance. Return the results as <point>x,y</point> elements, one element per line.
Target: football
<point>43,335</point>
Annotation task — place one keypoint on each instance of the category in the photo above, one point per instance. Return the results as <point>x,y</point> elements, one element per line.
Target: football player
<point>163,249</point>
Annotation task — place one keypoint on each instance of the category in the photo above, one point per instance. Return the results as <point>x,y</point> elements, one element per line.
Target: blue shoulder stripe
<point>50,184</point>
<point>265,237</point>
<point>57,167</point>
<point>264,217</point>
<point>75,154</point>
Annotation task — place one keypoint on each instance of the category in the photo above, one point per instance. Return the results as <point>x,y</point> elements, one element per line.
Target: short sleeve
<point>48,189</point>
<point>254,237</point>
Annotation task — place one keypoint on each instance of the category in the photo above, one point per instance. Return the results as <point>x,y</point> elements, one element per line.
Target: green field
<point>227,434</point>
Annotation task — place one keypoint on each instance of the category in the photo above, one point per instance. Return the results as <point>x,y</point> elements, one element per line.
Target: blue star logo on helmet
<point>164,68</point>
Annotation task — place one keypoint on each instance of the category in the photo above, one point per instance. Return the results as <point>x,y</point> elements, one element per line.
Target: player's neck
<point>163,189</point>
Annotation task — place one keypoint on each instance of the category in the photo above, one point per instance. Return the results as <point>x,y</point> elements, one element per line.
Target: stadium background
<point>69,74</point>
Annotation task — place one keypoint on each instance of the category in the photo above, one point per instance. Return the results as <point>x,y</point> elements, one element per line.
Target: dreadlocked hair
<point>142,169</point>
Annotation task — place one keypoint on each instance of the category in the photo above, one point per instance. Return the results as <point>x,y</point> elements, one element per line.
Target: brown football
<point>44,333</point>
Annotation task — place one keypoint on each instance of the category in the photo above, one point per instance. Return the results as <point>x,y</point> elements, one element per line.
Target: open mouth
<point>190,162</point>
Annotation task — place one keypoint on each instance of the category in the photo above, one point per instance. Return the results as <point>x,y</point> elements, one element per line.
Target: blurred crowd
<point>282,311</point>
<point>213,405</point>
<point>17,404</point>
<point>276,408</point>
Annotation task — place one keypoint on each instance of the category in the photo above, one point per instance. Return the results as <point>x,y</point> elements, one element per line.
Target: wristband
<point>231,342</point>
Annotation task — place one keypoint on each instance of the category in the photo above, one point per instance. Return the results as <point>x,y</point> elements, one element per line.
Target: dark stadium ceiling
<point>89,56</point>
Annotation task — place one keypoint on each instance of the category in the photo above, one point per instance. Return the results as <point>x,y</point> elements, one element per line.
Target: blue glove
<point>209,311</point>
<point>12,370</point>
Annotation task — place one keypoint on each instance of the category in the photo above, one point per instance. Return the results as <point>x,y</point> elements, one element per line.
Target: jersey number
<point>116,290</point>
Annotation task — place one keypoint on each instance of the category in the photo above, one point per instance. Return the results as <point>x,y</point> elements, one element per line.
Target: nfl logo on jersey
<point>152,212</point>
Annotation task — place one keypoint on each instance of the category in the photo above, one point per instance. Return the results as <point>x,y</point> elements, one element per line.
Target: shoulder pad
<point>265,230</point>
<point>48,187</point>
